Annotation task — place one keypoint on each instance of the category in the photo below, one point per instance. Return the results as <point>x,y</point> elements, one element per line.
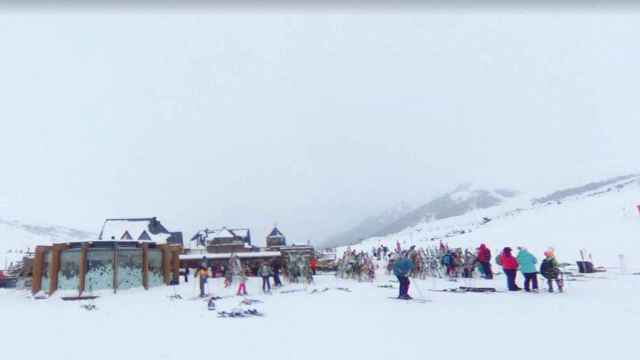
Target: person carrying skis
<point>527,266</point>
<point>242,281</point>
<point>401,269</point>
<point>265,272</point>
<point>202,274</point>
<point>510,267</point>
<point>551,270</point>
<point>484,258</point>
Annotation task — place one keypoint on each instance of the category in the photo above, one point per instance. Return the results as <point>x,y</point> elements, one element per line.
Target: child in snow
<point>242,287</point>
<point>228,277</point>
<point>510,267</point>
<point>551,270</point>
<point>527,266</point>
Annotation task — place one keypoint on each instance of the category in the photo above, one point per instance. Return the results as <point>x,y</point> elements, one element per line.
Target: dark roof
<point>275,233</point>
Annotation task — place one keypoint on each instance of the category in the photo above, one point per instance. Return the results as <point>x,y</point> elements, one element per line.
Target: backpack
<point>498,260</point>
<point>548,270</point>
<point>447,260</point>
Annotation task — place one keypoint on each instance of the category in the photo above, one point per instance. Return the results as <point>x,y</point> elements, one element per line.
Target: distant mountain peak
<point>464,198</point>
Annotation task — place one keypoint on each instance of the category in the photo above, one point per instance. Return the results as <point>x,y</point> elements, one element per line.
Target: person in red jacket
<point>484,258</point>
<point>313,264</point>
<point>510,266</point>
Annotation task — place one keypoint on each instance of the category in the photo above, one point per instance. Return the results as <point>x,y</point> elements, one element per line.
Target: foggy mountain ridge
<point>16,235</point>
<point>464,198</point>
<point>368,226</point>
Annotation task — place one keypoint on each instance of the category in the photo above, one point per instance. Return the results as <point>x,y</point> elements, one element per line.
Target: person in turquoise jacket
<point>527,266</point>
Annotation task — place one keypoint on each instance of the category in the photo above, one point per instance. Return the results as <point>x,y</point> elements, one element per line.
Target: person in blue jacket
<point>401,269</point>
<point>527,266</point>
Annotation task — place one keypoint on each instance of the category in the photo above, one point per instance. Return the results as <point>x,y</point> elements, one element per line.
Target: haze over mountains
<point>601,217</point>
<point>462,199</point>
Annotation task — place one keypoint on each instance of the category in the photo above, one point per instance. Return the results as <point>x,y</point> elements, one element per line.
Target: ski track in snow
<point>594,319</point>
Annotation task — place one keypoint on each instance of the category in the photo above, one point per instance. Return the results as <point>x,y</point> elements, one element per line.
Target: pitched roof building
<point>138,230</point>
<point>276,238</point>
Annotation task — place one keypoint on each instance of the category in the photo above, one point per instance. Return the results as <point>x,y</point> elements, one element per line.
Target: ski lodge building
<point>129,253</point>
<point>215,247</point>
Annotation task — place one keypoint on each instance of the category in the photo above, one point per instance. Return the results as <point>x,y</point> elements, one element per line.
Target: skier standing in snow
<point>510,267</point>
<point>313,264</point>
<point>186,274</point>
<point>484,258</point>
<point>202,274</point>
<point>265,272</point>
<point>527,266</point>
<point>401,269</point>
<point>276,274</point>
<point>468,264</point>
<point>242,281</point>
<point>551,270</point>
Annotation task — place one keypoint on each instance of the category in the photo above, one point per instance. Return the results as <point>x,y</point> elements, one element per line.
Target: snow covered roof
<point>245,255</point>
<point>137,229</point>
<point>221,234</point>
<point>243,233</point>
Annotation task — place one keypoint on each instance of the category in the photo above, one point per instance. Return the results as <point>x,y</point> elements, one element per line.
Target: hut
<point>129,253</point>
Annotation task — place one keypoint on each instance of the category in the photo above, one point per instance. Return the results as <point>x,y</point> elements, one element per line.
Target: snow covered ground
<point>594,319</point>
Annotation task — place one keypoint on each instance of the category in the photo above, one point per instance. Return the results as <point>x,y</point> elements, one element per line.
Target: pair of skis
<point>236,313</point>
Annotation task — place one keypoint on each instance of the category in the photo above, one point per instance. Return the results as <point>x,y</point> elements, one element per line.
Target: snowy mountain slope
<point>461,200</point>
<point>602,219</point>
<point>17,237</point>
<point>368,227</point>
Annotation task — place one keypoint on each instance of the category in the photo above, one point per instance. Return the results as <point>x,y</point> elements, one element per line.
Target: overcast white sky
<point>312,120</point>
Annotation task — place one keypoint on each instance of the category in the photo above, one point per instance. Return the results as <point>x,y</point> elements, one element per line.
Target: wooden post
<point>115,268</point>
<point>36,273</point>
<point>54,267</point>
<point>176,262</point>
<point>166,264</point>
<point>83,268</point>
<point>145,266</point>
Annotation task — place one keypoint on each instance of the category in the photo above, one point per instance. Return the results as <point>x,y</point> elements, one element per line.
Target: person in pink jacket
<point>510,267</point>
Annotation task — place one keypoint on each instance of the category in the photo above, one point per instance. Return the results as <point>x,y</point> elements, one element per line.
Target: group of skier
<point>526,263</point>
<point>403,264</point>
<point>356,265</point>
<point>297,268</point>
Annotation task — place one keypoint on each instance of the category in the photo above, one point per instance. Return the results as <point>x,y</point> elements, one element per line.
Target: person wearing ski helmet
<point>527,266</point>
<point>484,258</point>
<point>550,270</point>
<point>510,267</point>
<point>401,269</point>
